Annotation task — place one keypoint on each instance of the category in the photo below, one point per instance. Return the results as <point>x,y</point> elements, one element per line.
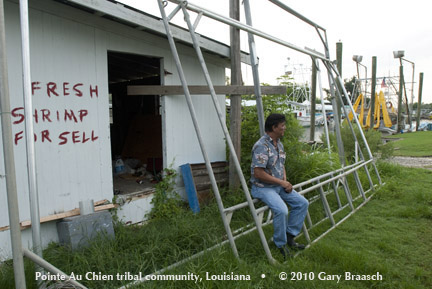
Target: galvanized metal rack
<point>333,179</point>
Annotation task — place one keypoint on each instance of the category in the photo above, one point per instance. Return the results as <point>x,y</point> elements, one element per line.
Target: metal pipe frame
<point>340,176</point>
<point>333,85</point>
<point>226,132</point>
<point>255,72</point>
<point>30,149</point>
<point>298,187</point>
<point>244,230</point>
<point>313,199</point>
<point>338,223</point>
<point>305,229</point>
<point>339,95</point>
<point>355,88</point>
<point>358,75</point>
<point>340,145</point>
<point>331,67</point>
<point>241,232</point>
<point>196,125</point>
<point>174,12</point>
<point>311,226</point>
<point>317,27</point>
<point>326,130</point>
<point>339,79</point>
<point>356,143</point>
<point>254,31</point>
<point>343,169</point>
<point>202,62</point>
<point>199,254</point>
<point>29,134</point>
<point>296,14</point>
<point>247,28</point>
<point>352,168</point>
<point>322,104</point>
<point>9,160</point>
<point>412,91</point>
<point>337,117</point>
<point>326,205</point>
<point>41,262</point>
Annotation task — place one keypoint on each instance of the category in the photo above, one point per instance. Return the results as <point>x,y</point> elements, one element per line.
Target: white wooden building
<point>83,55</point>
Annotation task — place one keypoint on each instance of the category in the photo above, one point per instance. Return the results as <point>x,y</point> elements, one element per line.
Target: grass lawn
<point>389,237</point>
<point>416,144</point>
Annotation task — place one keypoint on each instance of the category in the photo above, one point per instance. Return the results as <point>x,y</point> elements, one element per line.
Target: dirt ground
<point>414,162</point>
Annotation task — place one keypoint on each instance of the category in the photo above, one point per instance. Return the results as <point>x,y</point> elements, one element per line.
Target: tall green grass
<point>390,235</point>
<point>373,137</point>
<point>417,144</point>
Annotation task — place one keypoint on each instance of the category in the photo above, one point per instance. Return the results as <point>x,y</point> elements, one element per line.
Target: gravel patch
<point>413,162</point>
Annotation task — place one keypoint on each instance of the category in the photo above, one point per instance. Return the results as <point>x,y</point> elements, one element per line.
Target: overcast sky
<point>368,28</point>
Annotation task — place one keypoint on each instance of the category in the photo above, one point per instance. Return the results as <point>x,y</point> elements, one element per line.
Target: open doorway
<point>135,123</point>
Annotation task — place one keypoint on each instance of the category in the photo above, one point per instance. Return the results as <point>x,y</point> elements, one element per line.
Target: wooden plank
<point>71,213</point>
<point>220,164</point>
<point>101,202</point>
<point>203,171</point>
<point>235,98</point>
<point>105,207</point>
<point>206,185</point>
<point>201,89</point>
<point>74,212</point>
<point>201,181</point>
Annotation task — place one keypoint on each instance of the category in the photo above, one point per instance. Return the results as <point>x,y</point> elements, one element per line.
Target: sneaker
<point>285,252</point>
<point>293,244</point>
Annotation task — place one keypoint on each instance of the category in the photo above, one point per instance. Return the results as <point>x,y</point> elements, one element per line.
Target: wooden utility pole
<point>235,99</point>
<point>339,47</point>
<point>313,101</point>
<point>372,100</point>
<point>419,100</point>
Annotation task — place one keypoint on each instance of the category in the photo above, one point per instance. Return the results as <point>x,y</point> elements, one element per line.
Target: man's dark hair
<point>274,119</point>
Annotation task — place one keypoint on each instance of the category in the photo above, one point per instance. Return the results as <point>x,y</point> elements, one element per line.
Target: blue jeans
<point>276,198</point>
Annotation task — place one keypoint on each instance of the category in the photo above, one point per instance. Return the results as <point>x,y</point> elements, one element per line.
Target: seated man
<point>269,184</point>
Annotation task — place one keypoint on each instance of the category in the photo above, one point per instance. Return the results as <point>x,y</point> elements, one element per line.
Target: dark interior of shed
<point>135,123</point>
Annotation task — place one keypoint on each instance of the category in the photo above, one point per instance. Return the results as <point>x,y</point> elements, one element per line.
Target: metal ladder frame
<point>335,177</point>
<point>225,214</point>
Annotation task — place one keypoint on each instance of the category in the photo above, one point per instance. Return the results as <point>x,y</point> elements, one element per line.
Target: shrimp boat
<point>299,97</point>
<point>302,112</point>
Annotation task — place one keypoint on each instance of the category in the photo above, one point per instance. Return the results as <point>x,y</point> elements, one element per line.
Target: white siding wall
<point>180,135</point>
<point>68,48</point>
<point>70,166</point>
